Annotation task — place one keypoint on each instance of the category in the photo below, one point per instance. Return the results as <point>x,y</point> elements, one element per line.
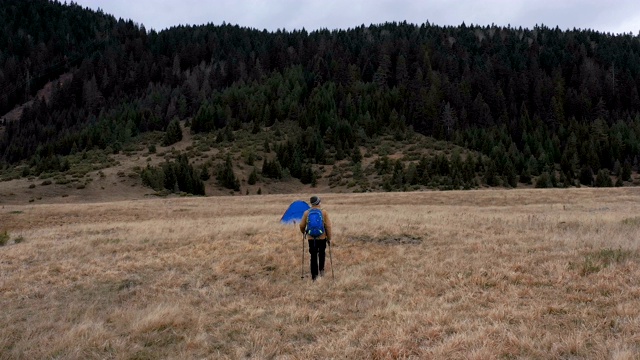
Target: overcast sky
<point>615,16</point>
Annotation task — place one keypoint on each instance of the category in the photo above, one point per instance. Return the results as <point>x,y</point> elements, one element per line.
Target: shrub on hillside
<point>544,181</point>
<point>603,179</point>
<point>153,177</point>
<point>4,238</point>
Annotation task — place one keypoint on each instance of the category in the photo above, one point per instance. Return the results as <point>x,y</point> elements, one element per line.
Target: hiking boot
<point>321,273</point>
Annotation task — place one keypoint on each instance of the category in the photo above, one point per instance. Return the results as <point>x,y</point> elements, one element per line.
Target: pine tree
<point>307,174</point>
<point>170,179</point>
<point>187,178</point>
<point>491,174</point>
<point>356,155</point>
<point>272,169</point>
<point>626,171</point>
<point>253,177</point>
<point>204,173</point>
<point>510,174</point>
<point>173,133</point>
<point>226,176</point>
<point>586,176</point>
<point>448,119</point>
<point>525,176</point>
<point>174,176</point>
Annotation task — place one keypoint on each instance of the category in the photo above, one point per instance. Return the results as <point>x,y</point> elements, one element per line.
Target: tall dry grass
<point>459,275</point>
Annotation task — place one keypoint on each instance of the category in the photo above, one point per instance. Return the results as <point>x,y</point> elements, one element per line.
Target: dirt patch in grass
<point>388,239</point>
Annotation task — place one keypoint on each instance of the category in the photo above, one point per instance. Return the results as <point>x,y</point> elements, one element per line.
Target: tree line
<point>533,101</point>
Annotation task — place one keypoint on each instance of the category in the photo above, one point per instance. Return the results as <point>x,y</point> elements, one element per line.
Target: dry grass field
<point>540,274</point>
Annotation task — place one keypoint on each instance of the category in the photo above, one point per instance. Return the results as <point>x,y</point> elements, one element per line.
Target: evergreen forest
<point>544,106</point>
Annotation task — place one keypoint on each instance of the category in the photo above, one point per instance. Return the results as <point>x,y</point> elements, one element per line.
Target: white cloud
<point>607,16</point>
<point>630,25</point>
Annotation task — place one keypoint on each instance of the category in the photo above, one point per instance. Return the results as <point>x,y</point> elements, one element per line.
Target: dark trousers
<point>316,249</point>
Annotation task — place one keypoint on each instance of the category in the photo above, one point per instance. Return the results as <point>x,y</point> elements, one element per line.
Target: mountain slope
<point>561,105</point>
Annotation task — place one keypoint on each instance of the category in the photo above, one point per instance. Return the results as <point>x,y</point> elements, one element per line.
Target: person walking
<point>316,226</point>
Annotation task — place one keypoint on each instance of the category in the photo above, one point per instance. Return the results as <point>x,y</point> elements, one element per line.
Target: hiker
<point>315,224</point>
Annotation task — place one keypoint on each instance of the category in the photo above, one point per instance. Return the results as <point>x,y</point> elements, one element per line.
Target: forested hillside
<point>542,105</point>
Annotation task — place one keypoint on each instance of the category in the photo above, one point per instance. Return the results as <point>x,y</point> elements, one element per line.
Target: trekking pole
<point>302,264</point>
<point>331,260</point>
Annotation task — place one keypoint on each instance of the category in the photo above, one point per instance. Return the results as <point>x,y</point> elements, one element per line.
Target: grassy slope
<point>474,275</point>
<point>100,176</point>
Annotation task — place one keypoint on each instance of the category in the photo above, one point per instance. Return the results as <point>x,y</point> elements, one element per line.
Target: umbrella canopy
<point>294,212</point>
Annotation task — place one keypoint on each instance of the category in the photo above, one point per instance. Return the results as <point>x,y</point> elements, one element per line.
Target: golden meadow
<point>481,274</point>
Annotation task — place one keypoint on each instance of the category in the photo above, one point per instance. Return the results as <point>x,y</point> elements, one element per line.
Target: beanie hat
<point>315,200</point>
